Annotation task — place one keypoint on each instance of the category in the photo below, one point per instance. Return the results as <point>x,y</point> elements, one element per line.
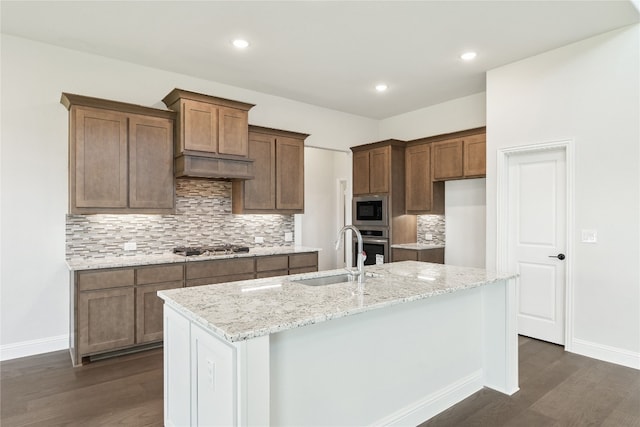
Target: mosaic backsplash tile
<point>433,224</point>
<point>203,217</point>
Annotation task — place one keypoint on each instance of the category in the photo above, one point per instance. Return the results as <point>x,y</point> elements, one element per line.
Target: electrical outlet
<point>211,372</point>
<point>130,246</point>
<point>288,237</point>
<point>428,236</point>
<point>259,239</point>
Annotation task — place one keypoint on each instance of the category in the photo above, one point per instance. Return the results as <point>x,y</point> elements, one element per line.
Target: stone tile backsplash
<point>203,217</point>
<point>433,224</point>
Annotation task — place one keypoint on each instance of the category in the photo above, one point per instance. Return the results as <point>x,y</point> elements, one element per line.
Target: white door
<point>537,189</point>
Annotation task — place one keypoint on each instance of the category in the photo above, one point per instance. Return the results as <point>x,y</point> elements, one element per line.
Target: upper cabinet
<point>120,157</point>
<point>373,167</point>
<point>278,170</point>
<point>459,157</point>
<point>423,196</point>
<point>212,135</point>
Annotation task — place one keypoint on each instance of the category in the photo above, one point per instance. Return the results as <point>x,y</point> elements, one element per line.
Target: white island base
<point>397,365</point>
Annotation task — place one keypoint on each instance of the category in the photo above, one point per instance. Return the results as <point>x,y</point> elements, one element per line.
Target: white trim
<point>434,403</point>
<point>606,353</point>
<point>33,347</point>
<point>502,222</point>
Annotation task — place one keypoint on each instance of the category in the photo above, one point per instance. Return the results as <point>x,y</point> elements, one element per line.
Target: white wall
<point>465,206</point>
<point>319,224</point>
<point>589,92</point>
<point>464,200</point>
<point>34,279</point>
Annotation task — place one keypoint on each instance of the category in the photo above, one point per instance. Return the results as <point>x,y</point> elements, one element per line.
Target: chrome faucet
<point>360,263</point>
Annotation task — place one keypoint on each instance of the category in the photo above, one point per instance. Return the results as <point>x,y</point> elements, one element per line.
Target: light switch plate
<point>259,239</point>
<point>288,237</point>
<point>130,246</point>
<point>589,236</point>
<point>428,236</point>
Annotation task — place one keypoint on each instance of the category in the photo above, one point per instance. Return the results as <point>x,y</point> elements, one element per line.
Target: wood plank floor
<point>556,389</point>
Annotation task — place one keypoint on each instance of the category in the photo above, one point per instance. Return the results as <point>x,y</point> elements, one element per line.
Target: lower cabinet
<point>435,255</point>
<point>303,263</point>
<point>118,308</point>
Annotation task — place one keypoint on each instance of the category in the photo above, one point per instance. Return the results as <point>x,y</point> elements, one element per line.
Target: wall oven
<point>375,243</point>
<point>370,211</point>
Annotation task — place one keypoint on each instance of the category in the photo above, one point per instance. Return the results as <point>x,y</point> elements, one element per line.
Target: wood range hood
<point>211,136</point>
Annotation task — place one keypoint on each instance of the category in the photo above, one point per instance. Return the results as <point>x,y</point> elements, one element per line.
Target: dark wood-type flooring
<point>556,389</point>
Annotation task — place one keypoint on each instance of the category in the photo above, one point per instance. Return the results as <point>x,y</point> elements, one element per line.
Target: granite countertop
<point>243,310</point>
<point>77,264</point>
<point>416,246</point>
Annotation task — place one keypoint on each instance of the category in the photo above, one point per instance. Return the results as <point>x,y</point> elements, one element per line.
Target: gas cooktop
<point>210,250</point>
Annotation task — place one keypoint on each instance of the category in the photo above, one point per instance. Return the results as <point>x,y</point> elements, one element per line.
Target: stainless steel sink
<point>325,280</point>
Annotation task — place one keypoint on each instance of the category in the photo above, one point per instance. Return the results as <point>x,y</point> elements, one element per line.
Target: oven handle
<point>368,240</point>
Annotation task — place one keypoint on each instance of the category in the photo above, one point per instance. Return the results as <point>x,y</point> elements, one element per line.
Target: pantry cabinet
<point>278,170</point>
<point>457,158</point>
<point>120,157</point>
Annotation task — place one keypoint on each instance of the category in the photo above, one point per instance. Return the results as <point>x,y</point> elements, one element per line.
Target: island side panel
<point>398,365</point>
<point>500,336</point>
<point>177,369</point>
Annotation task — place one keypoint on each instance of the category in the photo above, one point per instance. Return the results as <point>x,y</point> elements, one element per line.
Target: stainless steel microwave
<point>371,210</point>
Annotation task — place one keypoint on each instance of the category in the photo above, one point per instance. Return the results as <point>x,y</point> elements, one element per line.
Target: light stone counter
<point>247,309</point>
<point>168,258</point>
<point>416,246</point>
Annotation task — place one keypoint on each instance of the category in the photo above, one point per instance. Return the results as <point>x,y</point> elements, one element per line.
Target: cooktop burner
<point>209,250</point>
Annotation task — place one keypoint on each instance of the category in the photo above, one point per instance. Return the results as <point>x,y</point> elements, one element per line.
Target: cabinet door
<point>398,254</point>
<point>418,176</point>
<point>379,170</point>
<point>260,192</point>
<point>233,132</point>
<point>475,156</point>
<point>199,126</point>
<point>447,159</point>
<point>100,159</point>
<point>361,172</point>
<point>150,162</point>
<point>289,174</point>
<point>149,311</point>
<point>106,320</point>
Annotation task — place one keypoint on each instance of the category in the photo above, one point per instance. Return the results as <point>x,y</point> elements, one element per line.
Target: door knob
<point>559,256</point>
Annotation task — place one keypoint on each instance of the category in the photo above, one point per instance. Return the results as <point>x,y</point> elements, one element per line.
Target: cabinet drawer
<point>220,279</point>
<point>303,260</point>
<point>159,274</point>
<point>272,273</point>
<point>103,279</point>
<point>310,269</point>
<point>222,267</point>
<point>269,263</point>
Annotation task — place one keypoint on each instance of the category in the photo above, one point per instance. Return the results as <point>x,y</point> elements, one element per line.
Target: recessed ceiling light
<point>468,56</point>
<point>381,87</point>
<point>241,43</point>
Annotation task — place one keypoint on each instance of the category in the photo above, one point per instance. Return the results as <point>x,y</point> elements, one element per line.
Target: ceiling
<point>330,53</point>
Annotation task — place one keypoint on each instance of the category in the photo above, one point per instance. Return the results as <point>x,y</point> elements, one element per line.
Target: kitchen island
<point>420,338</point>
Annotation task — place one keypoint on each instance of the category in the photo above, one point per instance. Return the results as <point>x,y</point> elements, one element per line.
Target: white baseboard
<point>436,402</point>
<point>606,353</point>
<point>33,347</point>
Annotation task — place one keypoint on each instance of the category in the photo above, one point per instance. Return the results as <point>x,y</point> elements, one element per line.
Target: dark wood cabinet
<point>150,280</point>
<point>105,311</point>
<point>457,158</point>
<point>219,271</point>
<point>372,170</point>
<point>270,266</point>
<point>303,263</point>
<point>120,157</point>
<point>434,255</point>
<point>278,170</point>
<point>423,195</point>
